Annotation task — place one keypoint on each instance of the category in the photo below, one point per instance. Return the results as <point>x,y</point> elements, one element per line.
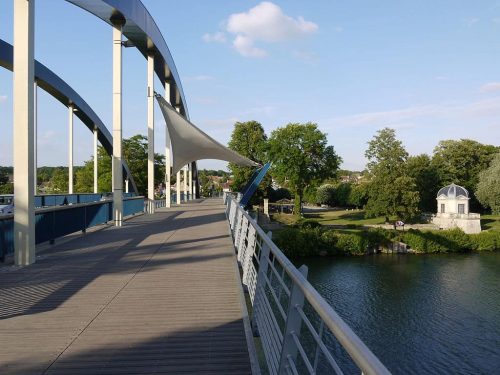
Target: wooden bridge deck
<point>159,296</point>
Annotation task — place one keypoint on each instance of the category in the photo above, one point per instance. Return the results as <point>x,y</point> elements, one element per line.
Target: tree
<point>58,184</point>
<point>84,176</point>
<point>341,194</point>
<point>426,179</point>
<point>249,140</point>
<point>358,196</point>
<point>391,191</point>
<point>325,194</point>
<point>461,161</point>
<point>135,153</point>
<point>488,187</point>
<point>301,158</point>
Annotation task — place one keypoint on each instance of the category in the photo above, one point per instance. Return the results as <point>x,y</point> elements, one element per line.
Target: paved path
<point>158,296</point>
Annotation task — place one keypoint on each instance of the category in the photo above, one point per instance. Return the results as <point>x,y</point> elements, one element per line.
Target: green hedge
<point>306,239</point>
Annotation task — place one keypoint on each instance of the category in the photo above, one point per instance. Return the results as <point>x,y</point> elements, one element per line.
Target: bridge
<point>124,284</point>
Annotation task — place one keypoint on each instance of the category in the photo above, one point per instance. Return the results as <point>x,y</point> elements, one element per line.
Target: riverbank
<point>311,239</point>
<point>325,232</point>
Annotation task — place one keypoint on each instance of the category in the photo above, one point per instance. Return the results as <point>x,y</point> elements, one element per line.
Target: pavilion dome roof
<point>453,191</point>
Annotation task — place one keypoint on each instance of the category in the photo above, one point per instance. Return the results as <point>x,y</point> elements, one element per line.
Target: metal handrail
<point>300,290</point>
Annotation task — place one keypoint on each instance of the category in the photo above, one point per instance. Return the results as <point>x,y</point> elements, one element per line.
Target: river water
<point>420,314</point>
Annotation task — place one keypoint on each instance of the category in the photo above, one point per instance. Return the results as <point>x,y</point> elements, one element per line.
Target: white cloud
<point>413,115</point>
<point>217,37</point>
<point>267,22</point>
<point>244,45</point>
<point>490,87</point>
<point>264,23</point>
<point>3,98</point>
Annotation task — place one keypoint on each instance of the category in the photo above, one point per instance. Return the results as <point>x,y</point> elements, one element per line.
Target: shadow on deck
<point>159,295</point>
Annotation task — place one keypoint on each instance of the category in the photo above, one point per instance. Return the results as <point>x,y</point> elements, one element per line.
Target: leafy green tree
<point>301,158</point>
<point>135,152</point>
<point>248,139</point>
<point>426,179</point>
<point>58,184</point>
<point>325,194</point>
<point>358,196</point>
<point>461,161</point>
<point>341,194</point>
<point>84,176</point>
<point>488,187</point>
<point>7,188</point>
<point>391,192</point>
<point>4,177</point>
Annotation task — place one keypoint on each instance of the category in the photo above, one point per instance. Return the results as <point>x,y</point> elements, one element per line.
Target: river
<point>420,314</point>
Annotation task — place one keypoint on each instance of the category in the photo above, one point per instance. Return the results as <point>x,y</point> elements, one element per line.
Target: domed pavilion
<point>453,210</point>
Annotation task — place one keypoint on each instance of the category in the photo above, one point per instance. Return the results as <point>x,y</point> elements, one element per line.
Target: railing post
<point>293,325</point>
<point>260,283</point>
<point>3,245</point>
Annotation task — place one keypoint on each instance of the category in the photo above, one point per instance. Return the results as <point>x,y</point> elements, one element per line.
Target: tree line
<point>394,184</point>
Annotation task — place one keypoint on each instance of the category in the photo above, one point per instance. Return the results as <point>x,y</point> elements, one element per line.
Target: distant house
<point>453,210</point>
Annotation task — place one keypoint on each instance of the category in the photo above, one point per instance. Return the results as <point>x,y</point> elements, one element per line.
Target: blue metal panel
<point>98,214</point>
<point>254,185</point>
<point>6,237</point>
<point>44,226</point>
<point>132,206</point>
<point>250,181</point>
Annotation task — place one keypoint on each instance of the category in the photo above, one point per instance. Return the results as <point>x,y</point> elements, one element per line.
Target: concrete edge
<point>252,352</point>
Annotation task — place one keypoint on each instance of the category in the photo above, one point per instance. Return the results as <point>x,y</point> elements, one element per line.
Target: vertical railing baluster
<point>261,282</point>
<point>293,325</point>
<point>320,335</point>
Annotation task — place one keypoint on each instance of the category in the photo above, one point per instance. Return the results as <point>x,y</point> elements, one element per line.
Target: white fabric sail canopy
<point>190,143</point>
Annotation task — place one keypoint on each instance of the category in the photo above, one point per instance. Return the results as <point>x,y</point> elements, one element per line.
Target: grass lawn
<point>343,217</point>
<point>490,222</point>
<point>337,217</point>
<point>357,218</point>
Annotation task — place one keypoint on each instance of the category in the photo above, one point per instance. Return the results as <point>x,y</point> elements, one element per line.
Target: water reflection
<point>429,314</point>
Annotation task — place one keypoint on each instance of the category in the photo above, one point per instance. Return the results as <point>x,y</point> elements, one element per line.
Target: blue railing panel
<point>132,206</point>
<point>99,214</point>
<point>53,223</point>
<point>6,237</point>
<point>44,226</point>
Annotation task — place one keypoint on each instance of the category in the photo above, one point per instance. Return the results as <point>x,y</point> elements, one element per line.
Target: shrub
<point>351,243</point>
<point>454,240</point>
<point>486,241</point>
<point>299,242</point>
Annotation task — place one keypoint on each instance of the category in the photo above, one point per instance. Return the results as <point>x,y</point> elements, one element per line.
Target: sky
<point>429,69</point>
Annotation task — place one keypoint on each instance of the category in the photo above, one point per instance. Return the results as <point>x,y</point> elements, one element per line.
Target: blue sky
<point>431,70</point>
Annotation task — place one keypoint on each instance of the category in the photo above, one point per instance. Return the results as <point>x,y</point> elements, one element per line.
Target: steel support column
<point>178,187</point>
<point>190,179</point>
<point>24,135</point>
<point>178,183</point>
<point>151,135</point>
<point>117,122</point>
<point>96,160</point>
<point>70,148</point>
<point>185,170</point>
<point>35,141</point>
<point>167,153</point>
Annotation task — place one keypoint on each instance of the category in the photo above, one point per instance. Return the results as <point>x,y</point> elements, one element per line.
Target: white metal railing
<point>298,329</point>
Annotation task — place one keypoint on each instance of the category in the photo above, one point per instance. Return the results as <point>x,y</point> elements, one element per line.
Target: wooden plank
<point>159,295</point>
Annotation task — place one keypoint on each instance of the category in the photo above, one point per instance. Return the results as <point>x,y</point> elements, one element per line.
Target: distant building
<point>453,210</point>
